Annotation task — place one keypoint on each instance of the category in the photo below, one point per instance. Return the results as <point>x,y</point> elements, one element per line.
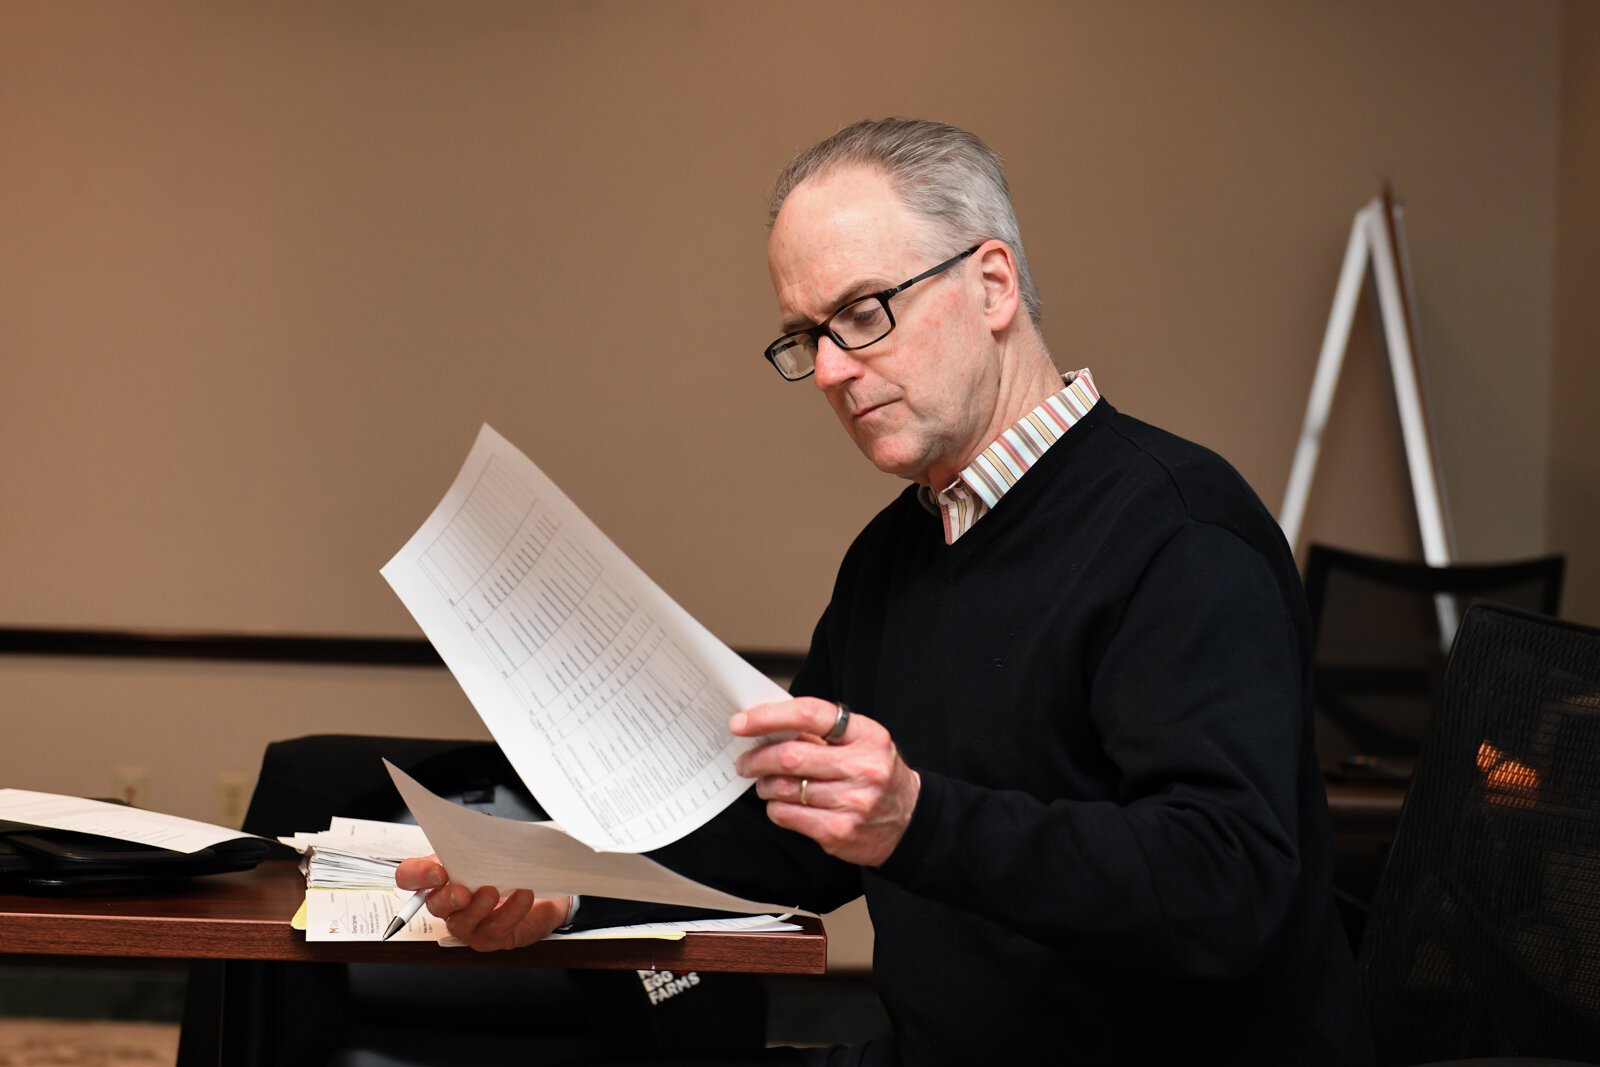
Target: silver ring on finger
<point>841,722</point>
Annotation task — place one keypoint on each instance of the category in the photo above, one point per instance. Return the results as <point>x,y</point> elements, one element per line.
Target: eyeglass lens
<point>854,326</point>
<point>794,356</point>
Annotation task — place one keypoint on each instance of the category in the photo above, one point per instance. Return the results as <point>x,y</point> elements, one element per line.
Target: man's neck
<point>1028,377</point>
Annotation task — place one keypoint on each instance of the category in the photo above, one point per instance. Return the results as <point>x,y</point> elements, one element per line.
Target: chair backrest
<point>1382,628</point>
<point>1485,935</point>
<point>305,781</point>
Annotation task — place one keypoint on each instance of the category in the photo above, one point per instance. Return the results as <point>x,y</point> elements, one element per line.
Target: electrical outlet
<point>131,785</point>
<point>233,797</point>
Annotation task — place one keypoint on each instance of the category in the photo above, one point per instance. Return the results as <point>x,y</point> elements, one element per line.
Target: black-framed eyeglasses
<point>864,321</point>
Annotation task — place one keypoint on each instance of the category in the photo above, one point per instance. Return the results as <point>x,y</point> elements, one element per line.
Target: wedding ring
<point>803,783</point>
<point>835,733</point>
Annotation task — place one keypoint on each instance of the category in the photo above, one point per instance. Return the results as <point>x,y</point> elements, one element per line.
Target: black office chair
<point>388,1015</point>
<point>1484,938</point>
<point>1382,629</point>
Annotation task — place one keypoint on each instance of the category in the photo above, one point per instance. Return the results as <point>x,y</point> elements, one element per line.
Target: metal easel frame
<point>1377,244</point>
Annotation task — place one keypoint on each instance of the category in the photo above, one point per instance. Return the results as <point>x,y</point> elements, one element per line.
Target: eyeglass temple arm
<point>930,272</point>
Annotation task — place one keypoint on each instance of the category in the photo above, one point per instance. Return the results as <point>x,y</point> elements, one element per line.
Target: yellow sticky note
<point>299,920</point>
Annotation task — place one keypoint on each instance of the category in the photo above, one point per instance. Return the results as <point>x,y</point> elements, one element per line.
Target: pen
<point>407,910</point>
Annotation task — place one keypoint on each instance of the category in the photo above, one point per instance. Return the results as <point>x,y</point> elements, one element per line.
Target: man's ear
<point>1002,285</point>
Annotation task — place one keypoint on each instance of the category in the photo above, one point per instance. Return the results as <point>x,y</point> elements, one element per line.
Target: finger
<point>805,715</point>
<point>464,922</point>
<point>499,928</point>
<point>546,914</point>
<point>420,872</point>
<point>797,759</point>
<point>786,790</point>
<point>445,902</point>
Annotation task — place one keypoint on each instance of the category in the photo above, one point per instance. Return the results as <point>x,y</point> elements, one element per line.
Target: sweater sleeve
<point>1191,868</point>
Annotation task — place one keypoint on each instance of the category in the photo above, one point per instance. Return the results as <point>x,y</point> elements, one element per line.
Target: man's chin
<point>891,460</point>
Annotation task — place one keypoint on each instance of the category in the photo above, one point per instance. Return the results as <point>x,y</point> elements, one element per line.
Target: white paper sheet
<point>112,820</point>
<point>363,915</point>
<point>744,924</point>
<point>480,849</point>
<point>610,700</point>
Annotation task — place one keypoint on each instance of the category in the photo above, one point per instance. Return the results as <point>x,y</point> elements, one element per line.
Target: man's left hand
<point>859,794</point>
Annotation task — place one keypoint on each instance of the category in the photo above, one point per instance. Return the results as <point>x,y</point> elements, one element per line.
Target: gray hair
<point>943,174</point>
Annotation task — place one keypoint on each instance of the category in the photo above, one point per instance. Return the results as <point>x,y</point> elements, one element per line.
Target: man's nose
<point>834,365</point>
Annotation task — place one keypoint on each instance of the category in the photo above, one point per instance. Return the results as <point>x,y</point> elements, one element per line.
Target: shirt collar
<point>979,487</point>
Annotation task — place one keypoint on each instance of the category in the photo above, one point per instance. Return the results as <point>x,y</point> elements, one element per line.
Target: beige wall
<point>267,267</point>
<point>1574,486</point>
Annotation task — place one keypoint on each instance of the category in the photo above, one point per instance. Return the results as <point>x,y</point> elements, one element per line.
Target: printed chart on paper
<point>609,699</point>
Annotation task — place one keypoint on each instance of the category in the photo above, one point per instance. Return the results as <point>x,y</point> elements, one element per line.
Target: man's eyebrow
<point>849,296</point>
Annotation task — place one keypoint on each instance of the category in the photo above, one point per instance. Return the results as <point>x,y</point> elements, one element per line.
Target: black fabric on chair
<point>1484,938</point>
<point>306,781</point>
<point>1381,643</point>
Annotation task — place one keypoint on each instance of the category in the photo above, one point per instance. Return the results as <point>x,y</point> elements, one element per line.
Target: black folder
<point>42,860</point>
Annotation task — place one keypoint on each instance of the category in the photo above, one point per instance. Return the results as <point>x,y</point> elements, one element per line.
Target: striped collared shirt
<point>988,478</point>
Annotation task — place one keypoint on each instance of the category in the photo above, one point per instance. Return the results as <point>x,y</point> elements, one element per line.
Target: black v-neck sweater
<point>1121,846</point>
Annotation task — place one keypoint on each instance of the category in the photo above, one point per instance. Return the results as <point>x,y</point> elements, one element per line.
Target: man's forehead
<point>842,211</point>
<point>837,237</point>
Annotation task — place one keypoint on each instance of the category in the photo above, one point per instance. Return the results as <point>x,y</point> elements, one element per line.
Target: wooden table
<point>235,930</point>
<point>246,917</point>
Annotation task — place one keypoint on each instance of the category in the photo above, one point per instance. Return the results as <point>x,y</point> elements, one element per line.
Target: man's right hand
<point>481,917</point>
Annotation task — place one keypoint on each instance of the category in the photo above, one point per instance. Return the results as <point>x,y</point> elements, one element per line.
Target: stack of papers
<point>357,853</point>
<point>350,890</point>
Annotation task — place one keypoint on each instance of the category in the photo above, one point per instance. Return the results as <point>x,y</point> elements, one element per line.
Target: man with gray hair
<point>1055,721</point>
